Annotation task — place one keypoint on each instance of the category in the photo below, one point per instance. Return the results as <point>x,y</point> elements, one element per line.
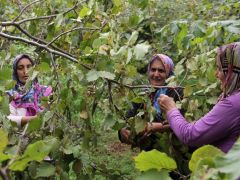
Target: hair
<point>15,63</point>
<point>166,61</point>
<point>229,58</point>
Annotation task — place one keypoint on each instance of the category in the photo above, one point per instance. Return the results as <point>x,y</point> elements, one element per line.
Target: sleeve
<point>134,110</point>
<point>13,115</point>
<point>210,128</point>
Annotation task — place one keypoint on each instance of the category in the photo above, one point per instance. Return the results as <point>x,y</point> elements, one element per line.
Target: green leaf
<point>133,38</point>
<point>5,73</point>
<point>43,67</point>
<point>138,100</point>
<point>92,75</point>
<point>45,170</point>
<point>34,124</point>
<point>230,163</point>
<point>140,50</point>
<point>154,175</point>
<point>85,11</point>
<point>139,124</point>
<point>105,74</point>
<point>4,140</point>
<point>109,121</point>
<point>205,152</point>
<point>4,157</point>
<point>34,152</point>
<point>117,3</point>
<point>59,20</point>
<point>154,160</point>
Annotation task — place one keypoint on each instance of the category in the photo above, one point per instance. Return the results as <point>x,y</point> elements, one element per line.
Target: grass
<point>115,158</point>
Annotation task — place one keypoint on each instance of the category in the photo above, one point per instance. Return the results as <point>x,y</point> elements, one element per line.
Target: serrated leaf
<point>154,160</point>
<point>45,170</point>
<point>140,50</point>
<point>205,152</point>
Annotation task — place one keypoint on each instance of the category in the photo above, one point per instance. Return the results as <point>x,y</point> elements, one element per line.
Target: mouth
<point>25,77</point>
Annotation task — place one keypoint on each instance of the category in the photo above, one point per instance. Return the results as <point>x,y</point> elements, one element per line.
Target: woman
<point>159,69</point>
<point>221,126</point>
<point>25,102</point>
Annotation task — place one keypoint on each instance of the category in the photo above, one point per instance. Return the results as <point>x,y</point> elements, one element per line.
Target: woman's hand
<point>166,103</point>
<point>26,119</point>
<point>155,127</point>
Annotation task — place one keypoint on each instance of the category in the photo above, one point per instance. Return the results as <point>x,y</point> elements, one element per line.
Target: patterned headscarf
<point>229,58</point>
<point>166,61</point>
<point>15,63</point>
<point>27,98</point>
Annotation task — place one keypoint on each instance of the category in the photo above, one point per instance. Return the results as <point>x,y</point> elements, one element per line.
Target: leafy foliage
<point>93,53</point>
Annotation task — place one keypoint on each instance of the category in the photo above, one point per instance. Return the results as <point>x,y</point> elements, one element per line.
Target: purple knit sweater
<point>219,127</point>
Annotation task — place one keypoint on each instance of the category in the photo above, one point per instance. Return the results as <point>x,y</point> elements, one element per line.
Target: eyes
<point>21,67</point>
<point>157,70</point>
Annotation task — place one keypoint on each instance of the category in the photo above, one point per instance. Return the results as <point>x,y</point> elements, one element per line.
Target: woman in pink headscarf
<point>25,102</point>
<point>160,68</point>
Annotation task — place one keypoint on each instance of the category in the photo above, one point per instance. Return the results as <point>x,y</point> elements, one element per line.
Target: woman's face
<point>219,74</point>
<point>157,74</point>
<point>23,67</point>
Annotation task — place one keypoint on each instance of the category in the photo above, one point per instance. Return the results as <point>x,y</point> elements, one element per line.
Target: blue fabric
<point>155,101</point>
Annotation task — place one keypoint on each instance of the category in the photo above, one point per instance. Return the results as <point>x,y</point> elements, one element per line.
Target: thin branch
<point>3,174</point>
<point>142,86</point>
<point>18,146</point>
<point>74,29</point>
<point>184,77</point>
<point>43,47</point>
<point>25,9</point>
<point>40,40</point>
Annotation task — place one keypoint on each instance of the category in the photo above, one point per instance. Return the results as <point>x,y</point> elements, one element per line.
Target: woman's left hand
<point>166,103</point>
<point>155,127</point>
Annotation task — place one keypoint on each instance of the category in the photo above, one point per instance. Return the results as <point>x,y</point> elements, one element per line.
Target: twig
<point>43,47</point>
<point>184,77</point>
<point>25,9</point>
<point>18,146</point>
<point>74,29</point>
<point>3,174</point>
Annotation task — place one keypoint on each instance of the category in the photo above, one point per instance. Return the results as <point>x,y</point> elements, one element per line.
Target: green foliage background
<point>93,52</point>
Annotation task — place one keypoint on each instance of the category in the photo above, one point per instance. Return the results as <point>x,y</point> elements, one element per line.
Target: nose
<point>25,70</point>
<point>156,73</point>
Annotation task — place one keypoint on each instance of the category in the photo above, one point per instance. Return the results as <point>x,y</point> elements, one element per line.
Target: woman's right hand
<point>166,103</point>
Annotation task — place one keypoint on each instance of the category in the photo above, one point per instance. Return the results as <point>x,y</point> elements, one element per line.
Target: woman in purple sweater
<point>221,126</point>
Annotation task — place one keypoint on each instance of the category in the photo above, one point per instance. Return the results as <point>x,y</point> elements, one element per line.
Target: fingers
<point>166,103</point>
